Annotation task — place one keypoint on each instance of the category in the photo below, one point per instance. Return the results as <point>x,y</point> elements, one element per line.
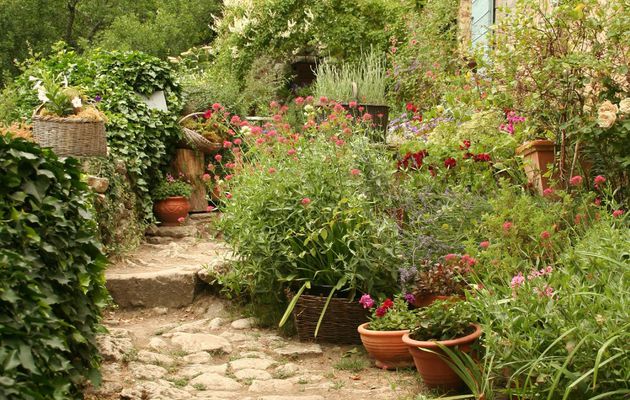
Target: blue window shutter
<point>482,18</point>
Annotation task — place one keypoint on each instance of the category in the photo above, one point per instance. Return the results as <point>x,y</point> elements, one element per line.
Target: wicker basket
<point>195,141</point>
<point>340,322</point>
<point>70,136</point>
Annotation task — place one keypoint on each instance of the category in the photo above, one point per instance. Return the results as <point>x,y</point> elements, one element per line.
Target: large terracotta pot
<point>537,156</point>
<point>169,210</point>
<point>386,347</point>
<point>435,372</point>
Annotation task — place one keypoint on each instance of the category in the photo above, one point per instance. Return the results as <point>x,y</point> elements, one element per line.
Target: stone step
<point>165,275</point>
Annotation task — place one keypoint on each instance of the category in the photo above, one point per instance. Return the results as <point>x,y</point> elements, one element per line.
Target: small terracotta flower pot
<point>386,347</point>
<point>435,372</point>
<point>169,210</point>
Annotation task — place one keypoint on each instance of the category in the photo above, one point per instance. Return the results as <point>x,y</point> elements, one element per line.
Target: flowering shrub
<point>573,315</point>
<point>390,315</point>
<point>307,206</point>
<point>443,278</point>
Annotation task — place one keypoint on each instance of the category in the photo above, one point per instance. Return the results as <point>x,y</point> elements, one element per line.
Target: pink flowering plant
<point>172,187</point>
<point>305,209</point>
<point>390,315</point>
<point>445,277</point>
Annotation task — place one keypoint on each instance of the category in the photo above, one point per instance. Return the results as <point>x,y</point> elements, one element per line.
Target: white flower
<point>624,106</point>
<point>32,78</point>
<point>607,106</point>
<point>606,119</point>
<point>76,102</point>
<point>246,130</point>
<point>41,94</point>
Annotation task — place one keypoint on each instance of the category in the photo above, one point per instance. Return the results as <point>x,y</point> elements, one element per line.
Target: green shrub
<point>562,332</point>
<point>51,276</point>
<point>171,188</point>
<point>309,217</point>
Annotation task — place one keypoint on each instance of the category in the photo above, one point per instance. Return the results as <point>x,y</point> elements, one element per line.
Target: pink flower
<point>291,152</point>
<point>274,104</point>
<point>230,165</point>
<point>507,225</point>
<point>229,177</point>
<point>547,192</point>
<point>305,201</point>
<point>237,141</point>
<point>235,120</point>
<point>299,101</point>
<point>597,201</point>
<point>205,177</point>
<point>618,213</point>
<point>517,280</point>
<point>209,209</point>
<point>545,235</point>
<point>367,117</point>
<point>339,142</point>
<point>260,140</point>
<point>450,257</point>
<point>323,99</point>
<point>309,99</point>
<point>352,104</point>
<point>409,298</point>
<point>227,144</point>
<point>338,107</point>
<point>207,114</point>
<point>355,171</point>
<point>277,117</point>
<point>366,301</point>
<point>546,292</point>
<point>599,179</point>
<point>485,244</point>
<point>575,180</point>
<point>217,107</point>
<point>272,170</point>
<point>228,195</point>
<point>181,219</point>
<point>469,260</point>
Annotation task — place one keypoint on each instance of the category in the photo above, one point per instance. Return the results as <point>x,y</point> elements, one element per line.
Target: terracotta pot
<point>169,210</point>
<point>428,299</point>
<point>386,347</point>
<point>435,372</point>
<point>537,155</point>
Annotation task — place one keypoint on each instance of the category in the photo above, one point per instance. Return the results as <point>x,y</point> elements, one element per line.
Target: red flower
<point>575,180</point>
<point>387,304</point>
<point>545,235</point>
<point>381,311</point>
<point>355,171</point>
<point>228,195</point>
<point>323,99</point>
<point>217,106</point>
<point>618,213</point>
<point>299,101</point>
<point>238,141</point>
<point>218,157</point>
<point>272,170</point>
<point>485,244</point>
<point>229,177</point>
<point>465,145</point>
<point>482,157</point>
<point>450,163</point>
<point>411,107</point>
<point>207,114</point>
<point>507,225</point>
<point>599,179</point>
<point>306,201</point>
<point>547,192</point>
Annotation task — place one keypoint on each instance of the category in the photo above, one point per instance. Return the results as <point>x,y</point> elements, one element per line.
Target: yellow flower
<point>607,106</point>
<point>606,119</point>
<point>624,105</point>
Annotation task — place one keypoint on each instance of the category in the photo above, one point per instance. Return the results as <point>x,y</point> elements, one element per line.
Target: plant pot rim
<point>433,344</point>
<point>536,145</point>
<point>174,198</point>
<point>363,330</point>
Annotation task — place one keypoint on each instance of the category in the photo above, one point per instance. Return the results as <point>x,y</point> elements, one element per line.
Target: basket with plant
<point>65,121</point>
<point>206,131</point>
<point>382,336</point>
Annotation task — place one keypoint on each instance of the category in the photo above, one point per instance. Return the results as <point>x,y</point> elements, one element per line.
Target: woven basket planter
<point>70,136</point>
<point>339,324</point>
<point>194,140</point>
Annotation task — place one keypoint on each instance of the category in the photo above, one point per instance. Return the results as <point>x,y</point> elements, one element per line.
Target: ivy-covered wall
<point>51,276</point>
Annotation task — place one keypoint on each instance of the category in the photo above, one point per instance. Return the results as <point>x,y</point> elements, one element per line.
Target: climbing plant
<point>51,276</point>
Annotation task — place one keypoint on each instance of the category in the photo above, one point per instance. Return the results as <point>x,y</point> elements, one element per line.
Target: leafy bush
<point>444,320</point>
<point>140,136</point>
<point>51,276</point>
<point>172,188</point>
<point>309,210</point>
<point>562,331</point>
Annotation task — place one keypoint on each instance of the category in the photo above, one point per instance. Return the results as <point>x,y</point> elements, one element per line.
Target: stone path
<point>208,351</point>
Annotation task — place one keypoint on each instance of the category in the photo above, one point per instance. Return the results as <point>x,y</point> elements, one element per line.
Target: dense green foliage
<point>51,276</point>
<point>159,28</point>
<point>140,136</point>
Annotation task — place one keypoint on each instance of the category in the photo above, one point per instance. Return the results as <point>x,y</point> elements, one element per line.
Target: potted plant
<point>441,280</point>
<point>64,121</point>
<point>537,156</point>
<point>382,336</point>
<point>360,88</point>
<point>171,200</point>
<point>446,324</point>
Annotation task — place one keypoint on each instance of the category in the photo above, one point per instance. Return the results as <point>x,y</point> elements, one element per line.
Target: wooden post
<point>191,164</point>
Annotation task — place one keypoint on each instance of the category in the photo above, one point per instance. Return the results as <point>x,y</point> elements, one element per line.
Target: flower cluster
<point>519,280</point>
<point>513,120</point>
<point>607,112</point>
<point>390,314</point>
<point>444,278</point>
